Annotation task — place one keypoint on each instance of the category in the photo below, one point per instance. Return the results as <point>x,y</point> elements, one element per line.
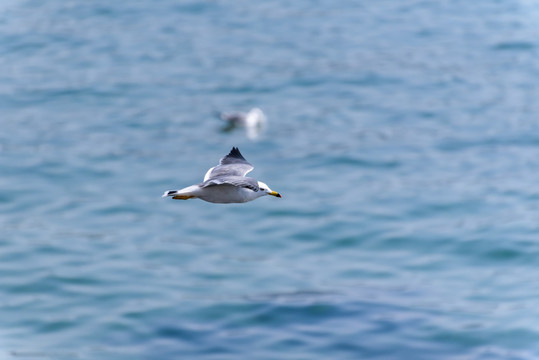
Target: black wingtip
<point>235,153</point>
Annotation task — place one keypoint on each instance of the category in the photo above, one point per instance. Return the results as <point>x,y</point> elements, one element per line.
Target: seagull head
<point>265,189</point>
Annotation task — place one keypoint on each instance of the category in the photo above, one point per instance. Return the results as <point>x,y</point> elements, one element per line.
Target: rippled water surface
<point>403,136</point>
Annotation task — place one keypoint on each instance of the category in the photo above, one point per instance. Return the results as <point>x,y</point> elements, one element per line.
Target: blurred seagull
<point>226,183</point>
<point>253,121</point>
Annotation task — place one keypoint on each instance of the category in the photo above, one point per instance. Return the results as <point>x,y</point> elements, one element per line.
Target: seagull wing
<point>236,118</point>
<point>240,181</point>
<point>234,164</point>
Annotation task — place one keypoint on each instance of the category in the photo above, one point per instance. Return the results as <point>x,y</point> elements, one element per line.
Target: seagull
<point>255,117</point>
<point>226,183</point>
<point>253,121</point>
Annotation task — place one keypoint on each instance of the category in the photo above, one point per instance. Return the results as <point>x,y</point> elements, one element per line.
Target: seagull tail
<point>169,193</point>
<point>182,194</point>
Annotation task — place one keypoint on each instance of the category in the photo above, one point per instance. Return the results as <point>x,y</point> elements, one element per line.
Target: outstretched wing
<point>240,181</point>
<point>236,118</point>
<point>234,164</point>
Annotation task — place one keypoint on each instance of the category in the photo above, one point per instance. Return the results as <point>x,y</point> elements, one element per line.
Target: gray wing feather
<point>233,118</point>
<point>234,164</point>
<point>239,181</point>
<point>233,157</point>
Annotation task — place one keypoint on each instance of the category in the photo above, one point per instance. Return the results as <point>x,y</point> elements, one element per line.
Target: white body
<point>221,194</point>
<point>255,118</point>
<point>254,123</point>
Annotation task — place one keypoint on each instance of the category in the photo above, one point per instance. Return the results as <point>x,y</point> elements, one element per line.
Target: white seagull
<point>255,117</point>
<point>253,121</point>
<point>226,183</point>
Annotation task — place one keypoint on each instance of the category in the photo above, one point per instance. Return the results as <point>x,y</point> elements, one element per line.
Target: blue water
<point>403,136</point>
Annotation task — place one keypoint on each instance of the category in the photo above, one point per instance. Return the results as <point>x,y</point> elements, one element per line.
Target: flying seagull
<point>255,117</point>
<point>226,183</point>
<point>253,121</point>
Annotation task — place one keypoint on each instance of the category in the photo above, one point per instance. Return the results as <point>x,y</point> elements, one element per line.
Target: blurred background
<point>403,136</point>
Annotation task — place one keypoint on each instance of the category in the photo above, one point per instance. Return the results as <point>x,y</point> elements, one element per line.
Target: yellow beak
<point>275,193</point>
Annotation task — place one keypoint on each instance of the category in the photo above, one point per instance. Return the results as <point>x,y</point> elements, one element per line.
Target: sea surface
<point>403,136</point>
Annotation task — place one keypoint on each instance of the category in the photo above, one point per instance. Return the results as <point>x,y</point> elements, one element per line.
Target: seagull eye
<point>262,189</point>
